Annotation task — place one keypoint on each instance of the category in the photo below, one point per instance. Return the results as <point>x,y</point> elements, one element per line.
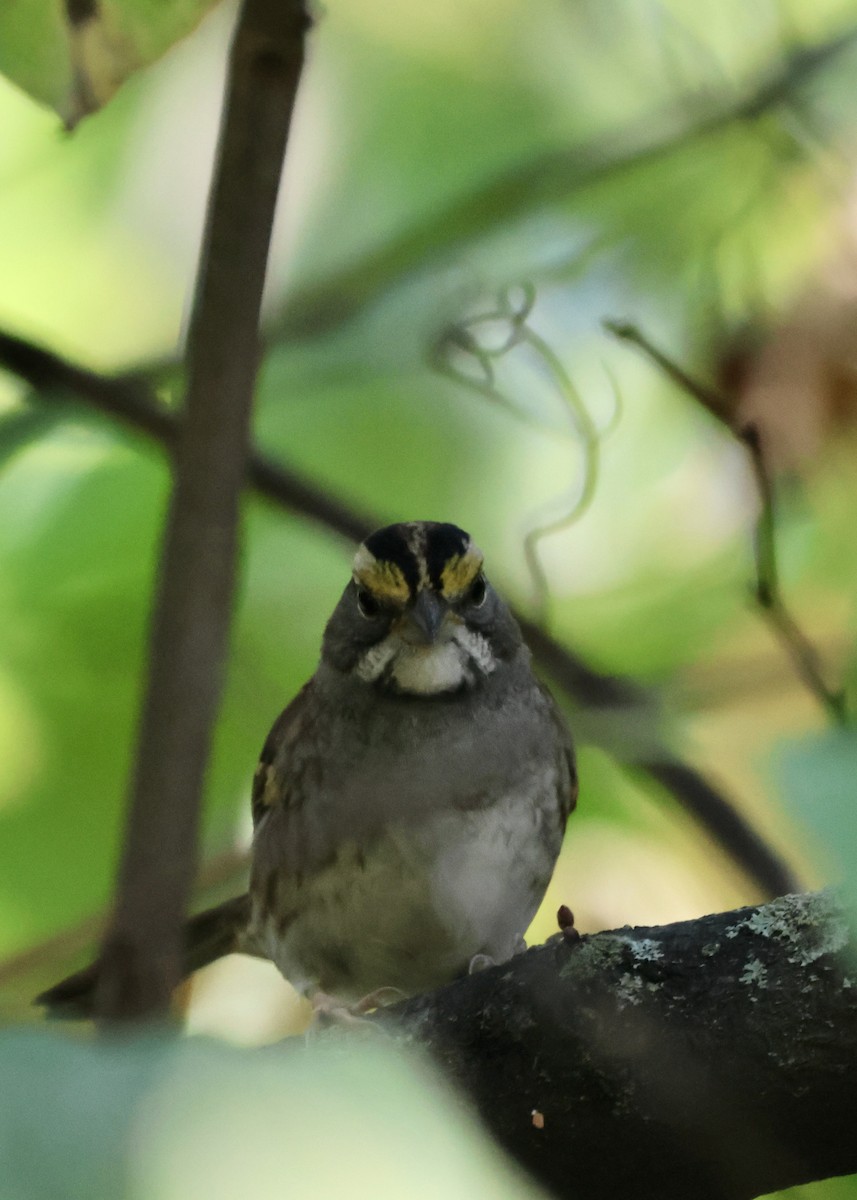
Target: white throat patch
<point>429,670</point>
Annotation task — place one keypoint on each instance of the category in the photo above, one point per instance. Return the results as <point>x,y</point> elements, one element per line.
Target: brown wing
<point>568,767</point>
<point>269,783</point>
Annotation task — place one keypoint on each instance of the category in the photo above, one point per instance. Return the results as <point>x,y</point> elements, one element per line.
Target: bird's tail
<point>209,935</point>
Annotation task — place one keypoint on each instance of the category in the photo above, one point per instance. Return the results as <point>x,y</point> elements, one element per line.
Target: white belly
<point>411,910</point>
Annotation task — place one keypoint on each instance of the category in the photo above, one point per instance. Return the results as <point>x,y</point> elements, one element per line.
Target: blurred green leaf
<point>816,777</point>
<point>843,1188</point>
<point>77,540</point>
<point>79,519</point>
<point>74,55</point>
<point>668,165</point>
<point>157,1119</point>
<point>23,425</point>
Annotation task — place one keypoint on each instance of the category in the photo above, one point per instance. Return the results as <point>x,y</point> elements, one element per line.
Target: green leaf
<point>158,1119</point>
<point>818,779</point>
<point>80,514</point>
<point>73,55</point>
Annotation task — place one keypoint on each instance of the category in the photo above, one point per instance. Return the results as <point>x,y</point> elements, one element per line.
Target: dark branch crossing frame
<point>131,401</point>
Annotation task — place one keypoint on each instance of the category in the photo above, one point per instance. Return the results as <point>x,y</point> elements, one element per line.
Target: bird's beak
<point>423,621</point>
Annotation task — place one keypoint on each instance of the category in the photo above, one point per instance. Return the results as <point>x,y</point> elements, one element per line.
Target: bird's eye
<point>478,592</point>
<point>367,605</point>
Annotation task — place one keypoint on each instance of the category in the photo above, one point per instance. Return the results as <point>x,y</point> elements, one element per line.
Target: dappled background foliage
<point>685,168</point>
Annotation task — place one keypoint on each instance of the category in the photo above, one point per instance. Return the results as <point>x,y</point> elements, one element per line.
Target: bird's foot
<point>329,1010</point>
<point>380,998</point>
<point>481,962</point>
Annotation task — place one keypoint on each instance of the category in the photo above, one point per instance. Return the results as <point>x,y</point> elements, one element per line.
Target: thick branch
<point>141,955</point>
<point>127,400</point>
<point>713,1058</point>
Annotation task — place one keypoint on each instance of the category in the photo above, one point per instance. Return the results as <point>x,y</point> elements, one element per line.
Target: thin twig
<point>132,401</point>
<point>142,948</point>
<point>719,817</point>
<point>767,589</point>
<point>768,594</point>
<point>121,399</point>
<point>712,400</point>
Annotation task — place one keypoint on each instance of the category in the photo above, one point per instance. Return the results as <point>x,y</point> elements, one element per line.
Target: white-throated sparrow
<point>410,802</point>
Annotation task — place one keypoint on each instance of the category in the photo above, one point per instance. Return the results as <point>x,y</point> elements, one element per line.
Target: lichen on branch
<point>711,1058</point>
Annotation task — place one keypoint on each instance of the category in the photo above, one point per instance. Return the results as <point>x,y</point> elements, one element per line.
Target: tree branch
<point>127,400</point>
<point>715,812</point>
<point>131,400</point>
<point>35,967</point>
<point>141,952</point>
<point>713,1058</point>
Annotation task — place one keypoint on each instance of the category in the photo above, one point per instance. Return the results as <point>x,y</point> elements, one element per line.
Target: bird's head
<point>419,616</point>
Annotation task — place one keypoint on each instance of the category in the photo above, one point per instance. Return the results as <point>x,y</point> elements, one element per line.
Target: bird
<point>410,803</point>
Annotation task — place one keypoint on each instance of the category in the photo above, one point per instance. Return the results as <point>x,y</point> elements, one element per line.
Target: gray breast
<point>426,834</point>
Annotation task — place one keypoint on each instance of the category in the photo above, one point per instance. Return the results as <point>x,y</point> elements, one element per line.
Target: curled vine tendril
<point>467,354</point>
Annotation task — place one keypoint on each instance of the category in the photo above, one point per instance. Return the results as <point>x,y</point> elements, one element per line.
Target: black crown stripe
<point>441,540</point>
<point>390,545</point>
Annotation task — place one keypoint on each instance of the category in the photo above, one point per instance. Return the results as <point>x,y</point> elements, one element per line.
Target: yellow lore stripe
<point>460,571</point>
